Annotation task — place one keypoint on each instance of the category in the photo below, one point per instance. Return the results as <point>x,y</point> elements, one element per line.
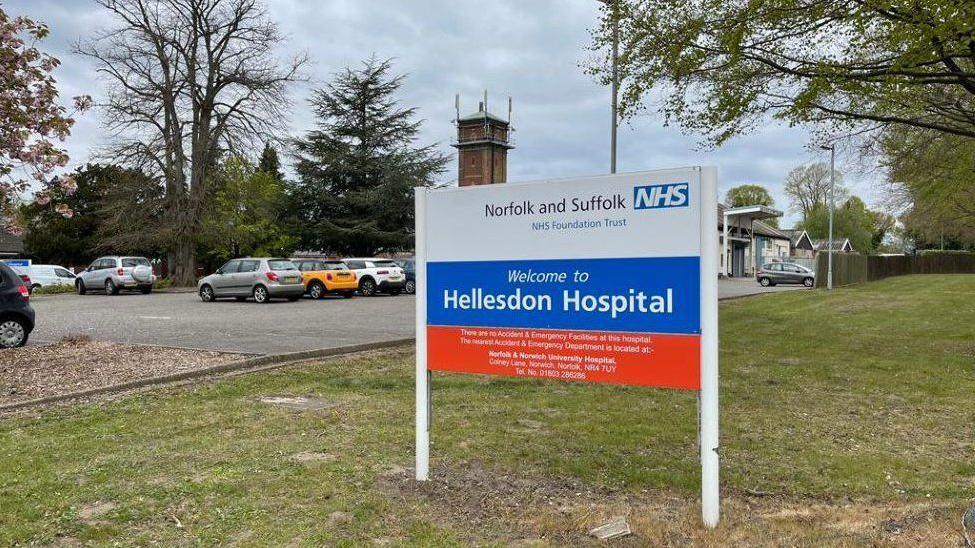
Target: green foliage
<point>53,290</point>
<point>808,186</point>
<point>746,195</point>
<point>269,162</point>
<point>932,179</point>
<point>866,229</point>
<point>51,237</point>
<point>132,216</point>
<point>357,171</point>
<point>721,68</point>
<point>244,215</point>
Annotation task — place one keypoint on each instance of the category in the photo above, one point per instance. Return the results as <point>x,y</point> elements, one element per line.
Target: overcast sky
<point>530,50</point>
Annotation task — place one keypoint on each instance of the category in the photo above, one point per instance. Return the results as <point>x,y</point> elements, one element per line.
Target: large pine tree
<point>357,170</point>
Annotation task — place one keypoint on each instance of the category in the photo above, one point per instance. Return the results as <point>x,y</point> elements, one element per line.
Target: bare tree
<point>808,186</point>
<point>187,80</point>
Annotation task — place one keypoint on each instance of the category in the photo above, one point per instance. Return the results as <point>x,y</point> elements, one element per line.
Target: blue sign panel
<point>643,295</point>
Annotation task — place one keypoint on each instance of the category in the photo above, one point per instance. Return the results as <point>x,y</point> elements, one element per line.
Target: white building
<point>745,242</point>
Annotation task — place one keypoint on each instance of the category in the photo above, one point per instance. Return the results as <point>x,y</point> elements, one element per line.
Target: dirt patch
<point>91,512</point>
<point>311,456</point>
<point>300,403</point>
<point>523,510</point>
<point>78,364</point>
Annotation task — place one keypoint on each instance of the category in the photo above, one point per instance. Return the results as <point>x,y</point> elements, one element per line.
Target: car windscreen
<point>385,264</point>
<point>281,264</point>
<point>337,265</point>
<point>129,262</point>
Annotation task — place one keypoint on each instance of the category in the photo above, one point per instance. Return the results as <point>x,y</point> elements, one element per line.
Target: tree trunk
<point>182,266</point>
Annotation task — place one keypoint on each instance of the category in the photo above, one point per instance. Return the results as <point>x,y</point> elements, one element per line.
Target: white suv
<point>113,274</point>
<point>377,275</point>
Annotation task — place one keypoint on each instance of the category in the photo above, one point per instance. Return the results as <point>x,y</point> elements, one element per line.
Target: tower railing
<point>485,134</point>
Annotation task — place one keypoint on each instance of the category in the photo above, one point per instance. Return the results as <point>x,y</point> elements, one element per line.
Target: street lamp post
<point>615,84</point>
<point>832,205</point>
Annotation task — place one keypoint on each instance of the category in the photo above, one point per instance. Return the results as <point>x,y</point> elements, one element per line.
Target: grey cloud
<point>530,50</point>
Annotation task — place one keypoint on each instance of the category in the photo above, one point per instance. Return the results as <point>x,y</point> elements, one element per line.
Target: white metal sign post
<point>608,279</point>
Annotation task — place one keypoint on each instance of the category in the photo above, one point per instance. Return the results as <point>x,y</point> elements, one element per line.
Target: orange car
<point>326,276</point>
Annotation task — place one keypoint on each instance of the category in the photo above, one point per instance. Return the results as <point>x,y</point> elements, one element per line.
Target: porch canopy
<point>737,224</point>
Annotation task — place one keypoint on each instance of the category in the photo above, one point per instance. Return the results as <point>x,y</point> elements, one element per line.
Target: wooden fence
<point>852,268</point>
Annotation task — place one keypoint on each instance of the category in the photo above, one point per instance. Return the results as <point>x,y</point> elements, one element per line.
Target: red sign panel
<point>645,359</point>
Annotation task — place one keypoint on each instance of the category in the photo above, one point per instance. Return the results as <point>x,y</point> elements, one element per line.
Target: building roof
<point>796,235</point>
<point>481,115</point>
<point>764,229</point>
<point>839,244</point>
<point>10,244</point>
<point>751,211</point>
<point>754,213</point>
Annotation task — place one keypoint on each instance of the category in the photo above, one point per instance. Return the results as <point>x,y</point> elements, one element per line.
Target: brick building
<point>483,142</point>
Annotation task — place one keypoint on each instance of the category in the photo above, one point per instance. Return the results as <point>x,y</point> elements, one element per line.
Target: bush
<point>53,290</point>
<point>163,283</point>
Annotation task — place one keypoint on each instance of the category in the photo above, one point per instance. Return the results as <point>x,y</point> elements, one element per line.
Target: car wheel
<point>410,287</point>
<point>80,287</point>
<point>110,287</point>
<point>316,290</point>
<point>206,294</point>
<point>808,282</point>
<point>35,287</point>
<point>367,287</point>
<point>13,333</point>
<point>348,294</point>
<point>765,282</point>
<point>261,295</point>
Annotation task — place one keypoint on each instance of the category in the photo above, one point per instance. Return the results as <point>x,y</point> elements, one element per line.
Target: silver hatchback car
<point>260,278</point>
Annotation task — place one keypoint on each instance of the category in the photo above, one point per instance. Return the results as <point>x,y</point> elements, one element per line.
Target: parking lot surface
<point>729,288</point>
<point>182,320</point>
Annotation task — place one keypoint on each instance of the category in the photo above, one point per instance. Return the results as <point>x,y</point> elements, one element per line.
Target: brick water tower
<point>483,141</point>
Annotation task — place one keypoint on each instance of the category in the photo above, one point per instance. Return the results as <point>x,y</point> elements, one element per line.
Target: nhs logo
<point>660,196</point>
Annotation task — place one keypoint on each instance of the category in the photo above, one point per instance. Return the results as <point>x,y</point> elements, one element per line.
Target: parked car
<point>326,276</point>
<point>409,271</point>
<point>16,313</point>
<point>377,275</point>
<point>258,277</point>
<point>785,273</point>
<point>114,273</point>
<point>23,273</point>
<point>50,275</point>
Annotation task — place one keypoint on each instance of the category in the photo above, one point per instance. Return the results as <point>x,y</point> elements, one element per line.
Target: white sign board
<point>604,279</point>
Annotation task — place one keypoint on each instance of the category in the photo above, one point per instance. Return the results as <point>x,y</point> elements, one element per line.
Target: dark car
<point>409,269</point>
<point>785,273</point>
<point>16,313</point>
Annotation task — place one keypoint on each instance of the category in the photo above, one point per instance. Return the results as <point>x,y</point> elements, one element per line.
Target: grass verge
<point>846,419</point>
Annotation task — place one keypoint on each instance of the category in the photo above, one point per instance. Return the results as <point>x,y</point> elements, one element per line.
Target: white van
<point>47,275</point>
